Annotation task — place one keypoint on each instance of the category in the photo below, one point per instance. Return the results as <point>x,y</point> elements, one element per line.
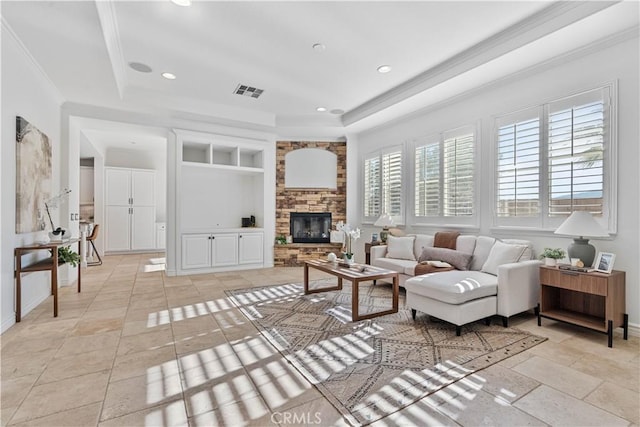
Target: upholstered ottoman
<point>458,297</point>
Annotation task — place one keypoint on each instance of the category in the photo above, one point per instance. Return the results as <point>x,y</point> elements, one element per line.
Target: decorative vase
<point>551,262</point>
<point>348,258</point>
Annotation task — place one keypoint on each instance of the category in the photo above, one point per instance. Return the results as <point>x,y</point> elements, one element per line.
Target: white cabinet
<point>130,208</point>
<point>250,249</point>
<point>216,250</point>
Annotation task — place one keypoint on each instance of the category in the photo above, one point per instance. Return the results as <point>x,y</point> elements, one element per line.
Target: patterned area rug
<point>372,368</point>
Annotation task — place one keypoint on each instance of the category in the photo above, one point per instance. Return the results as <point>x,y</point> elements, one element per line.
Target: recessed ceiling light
<point>169,76</point>
<point>337,111</point>
<point>139,66</point>
<point>319,47</point>
<point>321,109</point>
<point>182,2</point>
<point>384,69</point>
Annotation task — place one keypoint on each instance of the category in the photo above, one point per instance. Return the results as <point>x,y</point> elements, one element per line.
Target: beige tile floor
<point>137,348</point>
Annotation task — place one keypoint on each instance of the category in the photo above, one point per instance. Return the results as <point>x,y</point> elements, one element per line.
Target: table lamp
<point>581,223</point>
<point>385,221</point>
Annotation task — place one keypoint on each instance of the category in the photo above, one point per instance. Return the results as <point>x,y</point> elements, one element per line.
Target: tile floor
<point>137,348</point>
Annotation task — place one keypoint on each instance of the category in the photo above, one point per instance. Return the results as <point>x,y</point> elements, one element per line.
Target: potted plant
<point>551,256</point>
<point>281,240</point>
<point>65,254</point>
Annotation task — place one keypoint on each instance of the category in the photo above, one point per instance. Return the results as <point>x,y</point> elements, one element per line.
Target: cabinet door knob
<point>241,236</point>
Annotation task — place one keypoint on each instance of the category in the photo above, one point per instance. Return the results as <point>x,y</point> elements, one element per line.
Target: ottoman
<point>458,297</point>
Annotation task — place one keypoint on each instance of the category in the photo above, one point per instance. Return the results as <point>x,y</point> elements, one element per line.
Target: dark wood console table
<point>47,264</point>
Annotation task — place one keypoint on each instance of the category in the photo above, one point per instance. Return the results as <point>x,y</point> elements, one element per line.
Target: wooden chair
<point>90,239</point>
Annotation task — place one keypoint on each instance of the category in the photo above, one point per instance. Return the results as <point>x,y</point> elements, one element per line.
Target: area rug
<point>371,368</point>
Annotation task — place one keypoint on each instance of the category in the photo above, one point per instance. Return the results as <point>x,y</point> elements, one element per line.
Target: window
<point>457,168</point>
<point>427,190</point>
<point>550,161</point>
<point>383,185</point>
<point>575,156</point>
<point>445,176</point>
<point>518,168</point>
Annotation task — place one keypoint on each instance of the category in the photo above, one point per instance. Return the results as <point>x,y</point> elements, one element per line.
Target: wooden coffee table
<point>355,276</point>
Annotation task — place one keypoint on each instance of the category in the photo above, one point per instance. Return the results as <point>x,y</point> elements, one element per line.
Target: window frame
<point>543,222</point>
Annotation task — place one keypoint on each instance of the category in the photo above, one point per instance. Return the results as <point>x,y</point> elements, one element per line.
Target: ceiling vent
<point>249,91</point>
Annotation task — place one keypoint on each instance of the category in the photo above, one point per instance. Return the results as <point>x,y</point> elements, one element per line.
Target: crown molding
<point>111,34</point>
<point>575,54</point>
<point>544,22</point>
<point>31,60</point>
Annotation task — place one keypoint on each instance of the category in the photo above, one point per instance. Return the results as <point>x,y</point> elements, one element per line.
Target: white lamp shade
<point>581,223</point>
<point>385,220</point>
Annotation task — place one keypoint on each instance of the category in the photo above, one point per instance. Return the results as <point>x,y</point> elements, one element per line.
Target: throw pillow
<point>400,247</point>
<point>457,259</point>
<point>502,253</point>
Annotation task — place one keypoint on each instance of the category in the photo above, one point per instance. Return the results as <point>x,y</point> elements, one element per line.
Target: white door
<point>196,251</point>
<point>118,228</point>
<point>118,187</point>
<point>225,249</point>
<point>143,188</point>
<point>143,227</point>
<point>250,248</point>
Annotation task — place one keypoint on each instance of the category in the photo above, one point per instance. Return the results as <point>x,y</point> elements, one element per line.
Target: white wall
<point>28,93</point>
<point>609,63</point>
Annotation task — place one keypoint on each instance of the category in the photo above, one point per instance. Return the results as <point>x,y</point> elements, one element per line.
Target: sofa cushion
<point>528,253</point>
<point>481,252</point>
<point>400,247</point>
<point>458,259</point>
<point>466,244</point>
<point>402,266</point>
<point>502,253</point>
<point>453,287</point>
<point>422,241</point>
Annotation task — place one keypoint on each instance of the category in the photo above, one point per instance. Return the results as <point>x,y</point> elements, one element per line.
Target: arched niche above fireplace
<point>310,168</point>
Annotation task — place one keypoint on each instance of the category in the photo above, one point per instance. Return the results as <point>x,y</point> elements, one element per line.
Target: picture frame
<point>604,262</point>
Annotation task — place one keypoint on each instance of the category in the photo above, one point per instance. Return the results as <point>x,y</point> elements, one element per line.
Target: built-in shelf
<point>232,157</point>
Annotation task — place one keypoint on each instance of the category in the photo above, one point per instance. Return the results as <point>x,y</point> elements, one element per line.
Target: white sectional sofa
<point>492,277</point>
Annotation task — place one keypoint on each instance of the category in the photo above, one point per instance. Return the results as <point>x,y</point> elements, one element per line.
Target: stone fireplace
<point>308,200</point>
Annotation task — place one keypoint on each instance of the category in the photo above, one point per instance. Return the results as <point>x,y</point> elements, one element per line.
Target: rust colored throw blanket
<point>442,239</point>
<point>445,239</point>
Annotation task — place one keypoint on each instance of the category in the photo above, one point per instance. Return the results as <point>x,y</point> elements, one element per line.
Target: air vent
<point>249,91</point>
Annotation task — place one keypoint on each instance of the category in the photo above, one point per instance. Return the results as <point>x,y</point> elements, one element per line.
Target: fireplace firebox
<point>314,227</point>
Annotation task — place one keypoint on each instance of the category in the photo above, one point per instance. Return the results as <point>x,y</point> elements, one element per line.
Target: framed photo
<point>604,262</point>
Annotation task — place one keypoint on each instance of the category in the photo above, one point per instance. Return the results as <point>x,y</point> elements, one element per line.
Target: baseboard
<point>8,322</point>
<point>634,330</point>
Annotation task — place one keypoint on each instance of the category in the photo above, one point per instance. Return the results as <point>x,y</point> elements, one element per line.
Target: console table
<point>591,300</point>
<point>47,264</point>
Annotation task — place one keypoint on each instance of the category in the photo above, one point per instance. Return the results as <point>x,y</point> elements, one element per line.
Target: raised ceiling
<point>436,50</point>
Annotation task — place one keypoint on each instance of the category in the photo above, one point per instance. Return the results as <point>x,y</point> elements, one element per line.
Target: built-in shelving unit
<point>221,179</point>
<point>219,155</point>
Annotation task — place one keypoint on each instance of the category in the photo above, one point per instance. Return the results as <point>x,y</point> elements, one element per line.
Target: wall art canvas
<point>33,176</point>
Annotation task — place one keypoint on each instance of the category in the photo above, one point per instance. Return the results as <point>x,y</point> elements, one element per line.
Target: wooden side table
<point>591,300</point>
<point>367,251</point>
<point>47,264</point>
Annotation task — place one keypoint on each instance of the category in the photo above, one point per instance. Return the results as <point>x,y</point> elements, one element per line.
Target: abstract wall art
<point>33,177</point>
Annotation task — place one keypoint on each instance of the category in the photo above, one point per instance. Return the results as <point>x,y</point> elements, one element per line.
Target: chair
<point>90,239</point>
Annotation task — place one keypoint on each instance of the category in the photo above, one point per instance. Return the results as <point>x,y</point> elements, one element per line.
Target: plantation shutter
<point>576,154</point>
<point>427,180</point>
<point>458,171</point>
<point>372,187</point>
<point>392,183</point>
<point>518,167</point>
